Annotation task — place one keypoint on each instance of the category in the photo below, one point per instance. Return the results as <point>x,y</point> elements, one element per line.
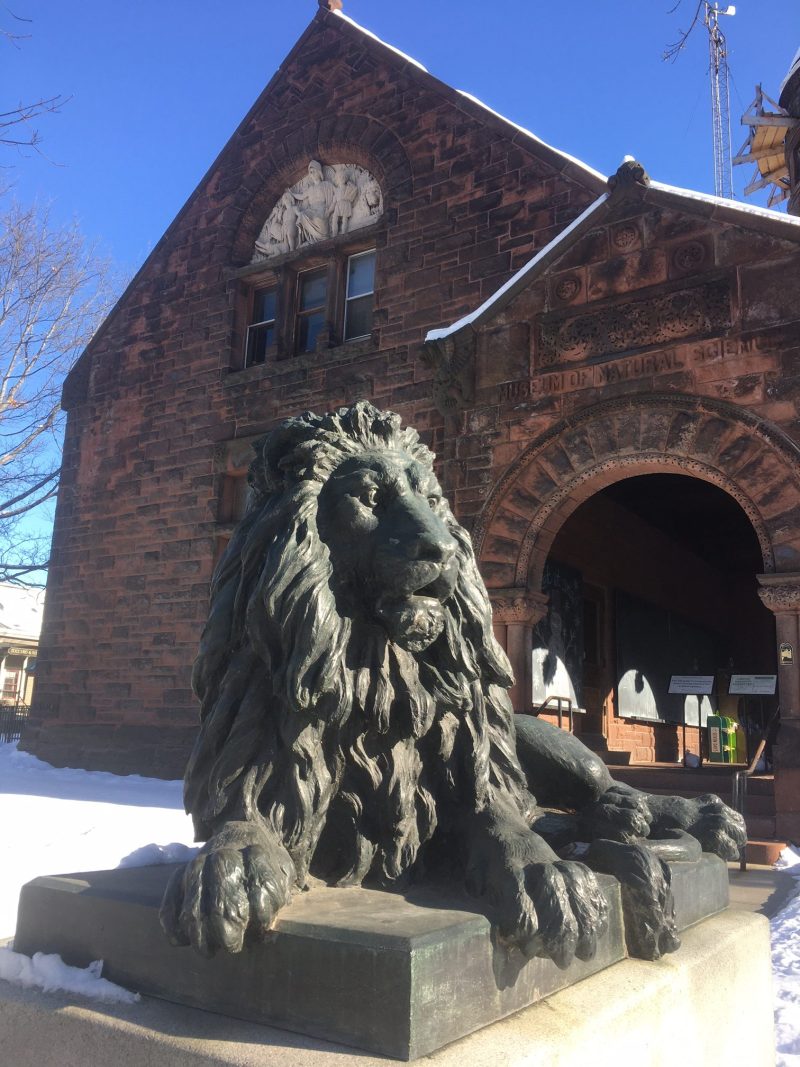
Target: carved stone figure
<point>329,200</point>
<point>354,713</point>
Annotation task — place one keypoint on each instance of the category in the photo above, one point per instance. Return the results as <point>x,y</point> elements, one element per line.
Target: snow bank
<point>785,937</point>
<point>52,975</point>
<point>58,821</point>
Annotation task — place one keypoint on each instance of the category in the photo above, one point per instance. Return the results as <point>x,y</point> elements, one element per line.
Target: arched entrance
<point>751,462</point>
<point>654,576</point>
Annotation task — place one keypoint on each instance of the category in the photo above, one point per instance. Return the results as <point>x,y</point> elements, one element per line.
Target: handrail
<point>559,701</point>
<point>740,778</point>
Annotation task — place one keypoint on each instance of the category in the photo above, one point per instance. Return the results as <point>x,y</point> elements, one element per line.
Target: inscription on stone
<point>568,338</point>
<point>594,377</point>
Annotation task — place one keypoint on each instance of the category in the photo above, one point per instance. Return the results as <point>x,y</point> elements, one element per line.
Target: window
<point>288,313</point>
<point>262,330</point>
<point>312,307</point>
<point>360,295</point>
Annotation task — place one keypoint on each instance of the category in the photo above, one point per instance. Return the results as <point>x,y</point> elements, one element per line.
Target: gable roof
<point>481,110</point>
<point>763,220</point>
<point>573,168</point>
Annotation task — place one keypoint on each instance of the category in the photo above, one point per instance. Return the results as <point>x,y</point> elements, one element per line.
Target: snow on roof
<point>730,205</point>
<point>792,68</point>
<point>21,611</point>
<point>516,279</point>
<point>533,137</point>
<point>374,36</point>
<point>475,100</point>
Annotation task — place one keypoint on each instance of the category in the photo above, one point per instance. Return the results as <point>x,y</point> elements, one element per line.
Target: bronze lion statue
<point>354,711</point>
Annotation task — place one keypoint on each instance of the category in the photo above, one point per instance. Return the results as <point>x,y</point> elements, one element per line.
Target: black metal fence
<point>11,720</point>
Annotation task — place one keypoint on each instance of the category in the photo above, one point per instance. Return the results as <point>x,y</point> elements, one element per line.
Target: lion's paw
<point>571,912</point>
<point>718,828</point>
<point>541,905</point>
<point>647,901</point>
<point>620,814</point>
<point>233,888</point>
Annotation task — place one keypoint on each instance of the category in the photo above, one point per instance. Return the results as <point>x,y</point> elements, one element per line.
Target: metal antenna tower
<point>720,98</point>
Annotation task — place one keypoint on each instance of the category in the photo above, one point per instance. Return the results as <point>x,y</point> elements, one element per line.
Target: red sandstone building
<point>608,371</point>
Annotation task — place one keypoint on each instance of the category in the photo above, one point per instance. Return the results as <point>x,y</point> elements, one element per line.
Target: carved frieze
<point>780,592</point>
<point>566,337</point>
<point>518,605</point>
<point>330,200</point>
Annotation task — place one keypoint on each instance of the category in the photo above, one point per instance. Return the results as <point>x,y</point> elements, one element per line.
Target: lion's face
<point>384,521</point>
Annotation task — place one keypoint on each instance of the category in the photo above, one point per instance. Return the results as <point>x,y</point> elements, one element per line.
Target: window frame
<point>285,277</point>
<point>298,314</point>
<point>348,299</point>
<point>271,349</point>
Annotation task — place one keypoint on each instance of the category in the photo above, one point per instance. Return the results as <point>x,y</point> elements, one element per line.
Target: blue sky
<point>157,87</point>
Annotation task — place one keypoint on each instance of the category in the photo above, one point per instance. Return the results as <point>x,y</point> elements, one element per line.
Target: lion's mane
<point>316,721</point>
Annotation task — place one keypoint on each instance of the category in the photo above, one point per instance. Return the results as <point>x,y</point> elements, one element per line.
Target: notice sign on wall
<point>697,684</point>
<point>752,684</point>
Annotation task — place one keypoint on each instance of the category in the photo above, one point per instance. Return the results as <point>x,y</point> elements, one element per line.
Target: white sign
<point>698,684</point>
<point>753,684</point>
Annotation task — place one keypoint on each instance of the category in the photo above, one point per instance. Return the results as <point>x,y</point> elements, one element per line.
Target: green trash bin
<point>721,739</point>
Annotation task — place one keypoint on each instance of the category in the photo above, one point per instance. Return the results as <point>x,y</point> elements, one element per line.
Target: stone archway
<point>757,464</point>
<point>751,460</point>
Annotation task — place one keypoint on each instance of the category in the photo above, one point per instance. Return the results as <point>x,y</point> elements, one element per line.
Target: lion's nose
<point>432,547</point>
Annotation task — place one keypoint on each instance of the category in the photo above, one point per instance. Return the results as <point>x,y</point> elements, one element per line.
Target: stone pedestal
<point>708,1004</point>
<point>397,975</point>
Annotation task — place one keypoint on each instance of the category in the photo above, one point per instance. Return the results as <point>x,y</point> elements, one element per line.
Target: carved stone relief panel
<point>330,200</point>
<point>566,337</point>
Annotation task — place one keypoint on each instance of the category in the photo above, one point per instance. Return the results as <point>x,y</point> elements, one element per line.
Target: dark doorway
<point>667,565</point>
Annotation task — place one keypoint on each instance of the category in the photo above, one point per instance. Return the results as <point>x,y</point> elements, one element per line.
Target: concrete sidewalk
<point>761,889</point>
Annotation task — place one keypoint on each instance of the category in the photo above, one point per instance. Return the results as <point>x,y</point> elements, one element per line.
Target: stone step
<point>761,827</point>
<point>763,852</point>
<point>687,781</point>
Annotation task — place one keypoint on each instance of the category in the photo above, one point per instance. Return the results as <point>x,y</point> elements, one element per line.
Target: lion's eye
<point>369,496</point>
<point>433,500</point>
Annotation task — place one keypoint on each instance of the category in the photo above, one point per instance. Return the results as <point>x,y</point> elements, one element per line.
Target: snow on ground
<point>57,821</point>
<point>50,974</point>
<point>785,934</point>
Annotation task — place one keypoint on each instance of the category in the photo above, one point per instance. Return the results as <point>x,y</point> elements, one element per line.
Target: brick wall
<point>153,403</point>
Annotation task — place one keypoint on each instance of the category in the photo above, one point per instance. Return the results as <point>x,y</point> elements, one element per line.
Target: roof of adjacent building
<point>21,610</point>
<point>713,207</point>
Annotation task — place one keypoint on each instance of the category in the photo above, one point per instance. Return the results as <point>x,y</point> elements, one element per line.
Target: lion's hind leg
<point>230,891</point>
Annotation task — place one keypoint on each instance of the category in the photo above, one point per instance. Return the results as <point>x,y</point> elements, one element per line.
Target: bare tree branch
<point>54,292</point>
<point>16,130</point>
<point>674,50</point>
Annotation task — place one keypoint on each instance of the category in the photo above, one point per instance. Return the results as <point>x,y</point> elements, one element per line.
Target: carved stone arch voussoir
<point>355,139</point>
<point>751,460</point>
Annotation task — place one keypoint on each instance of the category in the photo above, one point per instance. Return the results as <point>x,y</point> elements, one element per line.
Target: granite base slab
<point>634,1013</point>
<point>396,975</point>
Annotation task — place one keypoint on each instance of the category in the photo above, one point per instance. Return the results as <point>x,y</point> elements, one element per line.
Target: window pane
<point>313,289</point>
<point>308,329</point>
<point>362,275</point>
<point>264,305</point>
<point>259,339</point>
<point>358,319</point>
